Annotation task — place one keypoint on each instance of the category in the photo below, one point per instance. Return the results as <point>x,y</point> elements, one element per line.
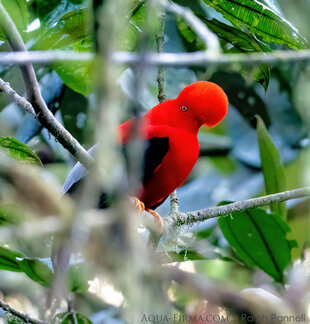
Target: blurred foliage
<point>65,318</point>
<point>237,158</point>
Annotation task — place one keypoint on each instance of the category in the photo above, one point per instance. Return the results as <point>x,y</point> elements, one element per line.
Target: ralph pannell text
<point>216,318</point>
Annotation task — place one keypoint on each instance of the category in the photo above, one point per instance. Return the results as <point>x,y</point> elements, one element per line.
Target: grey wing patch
<point>77,173</point>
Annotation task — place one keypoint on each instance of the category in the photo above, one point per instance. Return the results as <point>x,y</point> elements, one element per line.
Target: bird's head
<point>201,103</point>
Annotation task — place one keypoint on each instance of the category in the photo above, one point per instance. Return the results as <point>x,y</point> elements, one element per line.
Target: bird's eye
<point>184,108</point>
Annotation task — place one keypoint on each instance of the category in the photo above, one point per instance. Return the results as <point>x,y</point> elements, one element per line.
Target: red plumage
<point>200,103</point>
<point>170,132</point>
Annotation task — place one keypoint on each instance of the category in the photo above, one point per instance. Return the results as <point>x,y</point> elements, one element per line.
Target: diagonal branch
<point>20,101</point>
<point>25,318</point>
<point>43,114</point>
<point>189,218</point>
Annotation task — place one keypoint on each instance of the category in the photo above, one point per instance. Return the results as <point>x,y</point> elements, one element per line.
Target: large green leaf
<point>18,11</point>
<point>71,28</point>
<point>228,35</point>
<point>9,259</point>
<point>259,239</point>
<point>40,270</point>
<point>50,11</point>
<point>37,270</point>
<point>135,24</point>
<point>260,20</point>
<point>78,76</point>
<point>242,42</point>
<point>272,167</point>
<point>139,20</point>
<point>17,150</point>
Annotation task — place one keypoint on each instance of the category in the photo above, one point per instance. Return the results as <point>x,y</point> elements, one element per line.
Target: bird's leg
<point>157,218</point>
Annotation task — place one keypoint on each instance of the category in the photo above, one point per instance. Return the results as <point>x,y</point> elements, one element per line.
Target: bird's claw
<point>159,224</point>
<point>138,204</point>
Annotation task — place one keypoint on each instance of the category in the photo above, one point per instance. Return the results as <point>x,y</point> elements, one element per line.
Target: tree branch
<point>160,71</point>
<point>157,59</point>
<point>189,218</point>
<point>43,114</point>
<point>20,101</point>
<point>26,318</point>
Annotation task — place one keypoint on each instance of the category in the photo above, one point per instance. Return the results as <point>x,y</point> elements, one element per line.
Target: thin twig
<point>210,39</point>
<point>20,101</point>
<point>26,318</point>
<point>160,37</point>
<point>198,58</point>
<point>43,114</point>
<point>189,218</point>
<point>174,201</point>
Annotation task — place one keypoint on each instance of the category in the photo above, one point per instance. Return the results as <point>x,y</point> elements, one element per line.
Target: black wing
<point>155,150</point>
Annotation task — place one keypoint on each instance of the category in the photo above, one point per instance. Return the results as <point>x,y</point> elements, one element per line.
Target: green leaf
<point>71,28</point>
<point>261,20</point>
<point>68,318</point>
<point>263,75</point>
<point>18,150</point>
<point>13,319</point>
<point>78,277</point>
<point>37,270</point>
<point>50,11</point>
<point>230,35</point>
<point>10,214</point>
<point>78,76</point>
<point>272,167</point>
<point>18,11</point>
<point>135,24</point>
<point>9,259</point>
<point>259,239</point>
<point>137,20</point>
<point>241,43</point>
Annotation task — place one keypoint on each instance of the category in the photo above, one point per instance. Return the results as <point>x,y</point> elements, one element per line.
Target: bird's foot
<point>159,224</point>
<point>138,204</point>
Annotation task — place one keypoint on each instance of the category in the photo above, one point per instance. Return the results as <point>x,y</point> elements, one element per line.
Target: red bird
<point>170,131</point>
